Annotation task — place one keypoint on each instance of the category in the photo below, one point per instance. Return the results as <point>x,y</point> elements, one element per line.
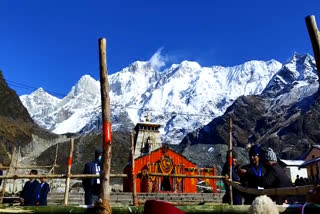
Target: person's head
<point>270,157</point>
<point>234,158</point>
<point>43,180</point>
<point>98,155</point>
<point>254,154</point>
<point>33,172</point>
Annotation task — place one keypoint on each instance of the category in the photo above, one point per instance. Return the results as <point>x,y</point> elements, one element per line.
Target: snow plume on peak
<point>157,61</point>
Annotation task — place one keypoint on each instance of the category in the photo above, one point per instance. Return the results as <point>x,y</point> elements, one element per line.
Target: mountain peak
<point>139,65</point>
<point>300,58</point>
<point>39,92</point>
<point>86,79</point>
<point>86,84</point>
<point>190,64</point>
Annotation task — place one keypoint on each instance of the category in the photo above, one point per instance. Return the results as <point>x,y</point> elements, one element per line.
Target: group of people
<point>34,193</point>
<point>263,172</point>
<point>301,181</point>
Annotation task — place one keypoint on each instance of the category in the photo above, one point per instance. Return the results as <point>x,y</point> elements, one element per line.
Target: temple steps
<point>126,197</point>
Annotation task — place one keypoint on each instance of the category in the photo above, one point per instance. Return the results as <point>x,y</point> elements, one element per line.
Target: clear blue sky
<point>51,44</point>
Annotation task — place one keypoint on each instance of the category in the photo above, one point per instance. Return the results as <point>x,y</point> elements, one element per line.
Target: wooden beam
<point>26,167</point>
<point>315,39</point>
<point>61,176</point>
<point>125,209</point>
<point>298,190</point>
<point>104,207</point>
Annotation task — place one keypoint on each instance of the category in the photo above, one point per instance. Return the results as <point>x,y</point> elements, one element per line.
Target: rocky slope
<point>17,127</point>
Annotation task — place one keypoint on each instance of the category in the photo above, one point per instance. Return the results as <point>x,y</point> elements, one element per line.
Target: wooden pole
<point>7,173</point>
<point>14,171</point>
<point>66,191</point>
<point>105,207</point>
<point>51,171</point>
<point>134,188</point>
<point>230,159</point>
<point>315,39</point>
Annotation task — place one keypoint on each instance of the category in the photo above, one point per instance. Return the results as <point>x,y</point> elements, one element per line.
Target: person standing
<point>91,186</point>
<point>275,176</point>
<point>28,195</point>
<point>43,193</point>
<point>251,174</point>
<point>236,196</point>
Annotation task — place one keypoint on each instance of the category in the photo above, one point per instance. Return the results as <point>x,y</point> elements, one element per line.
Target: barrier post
<point>66,191</point>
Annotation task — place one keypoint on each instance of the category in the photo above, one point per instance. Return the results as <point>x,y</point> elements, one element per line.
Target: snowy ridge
<point>182,97</point>
<point>297,80</point>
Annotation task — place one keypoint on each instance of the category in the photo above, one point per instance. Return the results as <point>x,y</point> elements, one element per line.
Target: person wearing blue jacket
<point>43,193</point>
<point>251,174</point>
<point>28,195</point>
<point>92,186</point>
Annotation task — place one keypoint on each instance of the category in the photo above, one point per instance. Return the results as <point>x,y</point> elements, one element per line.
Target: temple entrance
<point>165,184</point>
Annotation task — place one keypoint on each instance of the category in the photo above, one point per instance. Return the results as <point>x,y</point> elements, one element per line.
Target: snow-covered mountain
<point>182,97</point>
<point>285,116</point>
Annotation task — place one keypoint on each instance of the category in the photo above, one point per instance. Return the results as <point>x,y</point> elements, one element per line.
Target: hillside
<point>17,127</point>
<point>38,146</point>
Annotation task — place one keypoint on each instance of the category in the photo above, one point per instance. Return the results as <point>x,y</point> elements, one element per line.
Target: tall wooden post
<point>66,191</point>
<point>105,207</point>
<point>54,165</point>
<point>5,181</point>
<point>230,158</point>
<point>134,188</point>
<point>314,35</point>
<point>14,171</point>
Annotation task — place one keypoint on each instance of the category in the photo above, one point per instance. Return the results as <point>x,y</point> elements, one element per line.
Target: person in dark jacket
<point>236,196</point>
<point>275,176</point>
<point>251,174</point>
<point>43,193</point>
<point>91,186</point>
<point>28,195</point>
